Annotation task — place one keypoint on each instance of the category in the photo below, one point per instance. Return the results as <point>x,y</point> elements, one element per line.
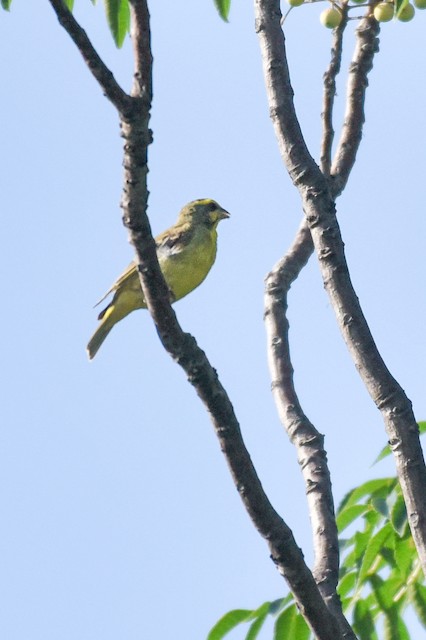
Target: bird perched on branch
<point>186,252</point>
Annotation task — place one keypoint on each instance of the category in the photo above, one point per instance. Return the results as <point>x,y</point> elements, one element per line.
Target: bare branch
<point>329,94</point>
<point>141,39</point>
<point>367,45</point>
<point>102,74</point>
<point>284,550</point>
<point>278,283</point>
<point>308,441</point>
<point>320,214</point>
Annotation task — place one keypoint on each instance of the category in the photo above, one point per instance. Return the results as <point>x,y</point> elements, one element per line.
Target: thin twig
<point>138,136</point>
<point>141,39</point>
<point>366,46</point>
<point>329,94</point>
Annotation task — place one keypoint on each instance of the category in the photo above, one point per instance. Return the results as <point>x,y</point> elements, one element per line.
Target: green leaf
<point>405,556</point>
<point>373,518</point>
<point>387,552</point>
<point>347,584</point>
<point>398,516</point>
<point>6,4</point>
<point>381,506</point>
<point>363,622</point>
<point>360,546</point>
<point>360,542</point>
<point>69,4</point>
<point>349,514</point>
<point>384,591</point>
<point>118,16</point>
<point>386,451</point>
<point>278,605</point>
<point>290,625</point>
<point>301,630</point>
<point>261,614</point>
<point>284,623</point>
<point>382,600</point>
<point>372,551</point>
<point>381,487</point>
<point>394,627</point>
<point>223,6</point>
<point>228,622</point>
<point>351,561</point>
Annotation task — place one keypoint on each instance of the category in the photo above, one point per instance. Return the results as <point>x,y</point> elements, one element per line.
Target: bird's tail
<point>99,336</point>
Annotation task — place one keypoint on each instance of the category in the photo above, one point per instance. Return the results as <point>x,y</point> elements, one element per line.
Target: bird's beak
<point>222,214</point>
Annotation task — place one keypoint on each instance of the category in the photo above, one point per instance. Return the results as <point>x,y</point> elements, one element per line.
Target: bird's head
<point>206,212</point>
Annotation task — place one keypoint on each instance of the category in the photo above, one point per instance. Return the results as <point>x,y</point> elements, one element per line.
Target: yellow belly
<point>185,270</point>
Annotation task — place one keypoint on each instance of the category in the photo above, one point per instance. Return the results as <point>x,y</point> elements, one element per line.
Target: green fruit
<point>359,1</point>
<point>295,3</point>
<point>420,4</point>
<point>407,13</point>
<point>331,18</point>
<point>383,12</point>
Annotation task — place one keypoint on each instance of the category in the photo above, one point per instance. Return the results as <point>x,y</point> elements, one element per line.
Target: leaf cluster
<point>380,573</point>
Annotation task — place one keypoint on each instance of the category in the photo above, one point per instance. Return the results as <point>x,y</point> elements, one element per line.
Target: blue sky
<point>119,515</point>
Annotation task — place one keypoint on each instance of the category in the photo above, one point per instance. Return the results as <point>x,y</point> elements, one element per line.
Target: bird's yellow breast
<point>185,269</point>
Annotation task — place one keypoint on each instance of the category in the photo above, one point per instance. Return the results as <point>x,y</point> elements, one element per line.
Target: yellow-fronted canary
<point>186,253</point>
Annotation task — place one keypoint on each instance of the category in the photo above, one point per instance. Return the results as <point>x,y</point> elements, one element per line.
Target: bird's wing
<point>169,242</point>
<point>173,240</point>
<point>125,276</point>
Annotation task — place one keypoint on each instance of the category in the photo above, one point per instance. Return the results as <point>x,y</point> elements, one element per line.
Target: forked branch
<point>318,203</point>
<point>308,441</point>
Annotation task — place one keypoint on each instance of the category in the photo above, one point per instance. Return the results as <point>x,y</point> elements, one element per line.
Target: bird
<point>186,252</point>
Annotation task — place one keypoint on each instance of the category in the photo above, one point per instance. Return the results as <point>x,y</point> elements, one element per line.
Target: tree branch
<point>366,46</point>
<point>320,214</point>
<point>100,71</point>
<point>312,458</point>
<point>278,283</point>
<point>308,441</point>
<point>141,39</point>
<point>329,94</point>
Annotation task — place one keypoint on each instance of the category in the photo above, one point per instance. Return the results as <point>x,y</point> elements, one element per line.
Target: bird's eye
<point>212,206</point>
